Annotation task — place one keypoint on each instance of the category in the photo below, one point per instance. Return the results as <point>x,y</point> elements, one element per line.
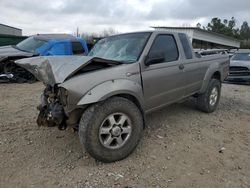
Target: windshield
<point>241,57</point>
<point>30,44</point>
<point>125,48</point>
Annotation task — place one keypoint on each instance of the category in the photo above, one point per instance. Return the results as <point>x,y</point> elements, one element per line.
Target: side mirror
<point>155,57</point>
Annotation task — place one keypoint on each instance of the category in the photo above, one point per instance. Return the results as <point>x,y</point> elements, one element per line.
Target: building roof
<point>10,26</point>
<point>204,35</point>
<point>198,29</point>
<point>48,37</point>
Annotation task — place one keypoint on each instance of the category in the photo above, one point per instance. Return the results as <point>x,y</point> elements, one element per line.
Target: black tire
<point>93,118</point>
<point>203,100</point>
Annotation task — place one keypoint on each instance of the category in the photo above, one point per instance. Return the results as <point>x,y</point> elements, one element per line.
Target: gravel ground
<point>180,147</point>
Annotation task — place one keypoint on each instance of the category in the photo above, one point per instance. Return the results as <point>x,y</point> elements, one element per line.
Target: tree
<point>216,26</point>
<point>245,31</point>
<point>229,28</point>
<point>225,27</point>
<point>198,25</point>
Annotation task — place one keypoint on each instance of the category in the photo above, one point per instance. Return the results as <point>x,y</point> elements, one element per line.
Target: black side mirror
<point>155,57</point>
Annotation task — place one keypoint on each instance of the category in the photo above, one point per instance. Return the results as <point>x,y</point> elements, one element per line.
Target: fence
<point>10,39</point>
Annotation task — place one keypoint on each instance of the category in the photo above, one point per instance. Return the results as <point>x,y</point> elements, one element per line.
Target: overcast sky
<point>64,16</point>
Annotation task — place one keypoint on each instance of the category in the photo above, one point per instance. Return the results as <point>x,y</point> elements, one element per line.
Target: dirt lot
<point>180,147</point>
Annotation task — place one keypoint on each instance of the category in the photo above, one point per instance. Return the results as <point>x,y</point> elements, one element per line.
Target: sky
<point>93,16</point>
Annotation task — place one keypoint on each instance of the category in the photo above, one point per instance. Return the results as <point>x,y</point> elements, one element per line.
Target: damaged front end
<point>59,100</point>
<point>51,112</point>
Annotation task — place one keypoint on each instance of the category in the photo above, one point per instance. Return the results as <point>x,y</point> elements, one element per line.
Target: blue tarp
<point>60,47</point>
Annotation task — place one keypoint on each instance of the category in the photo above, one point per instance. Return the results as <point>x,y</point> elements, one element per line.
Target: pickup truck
<point>37,45</point>
<point>108,93</point>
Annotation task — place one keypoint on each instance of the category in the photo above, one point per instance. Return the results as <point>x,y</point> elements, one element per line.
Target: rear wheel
<point>111,130</point>
<point>208,101</point>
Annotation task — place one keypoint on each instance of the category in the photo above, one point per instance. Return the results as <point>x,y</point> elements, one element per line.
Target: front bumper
<point>233,78</point>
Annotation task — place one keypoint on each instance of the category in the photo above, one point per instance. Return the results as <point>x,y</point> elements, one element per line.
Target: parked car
<point>37,45</point>
<point>240,66</point>
<point>124,77</point>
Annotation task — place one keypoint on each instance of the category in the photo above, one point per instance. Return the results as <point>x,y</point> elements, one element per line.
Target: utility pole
<point>77,32</point>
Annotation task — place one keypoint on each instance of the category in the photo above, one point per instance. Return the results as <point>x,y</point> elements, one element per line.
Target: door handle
<point>181,67</point>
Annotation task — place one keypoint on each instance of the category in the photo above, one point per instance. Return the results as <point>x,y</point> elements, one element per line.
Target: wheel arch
<point>210,74</point>
<point>118,88</point>
<point>216,75</point>
<point>136,102</point>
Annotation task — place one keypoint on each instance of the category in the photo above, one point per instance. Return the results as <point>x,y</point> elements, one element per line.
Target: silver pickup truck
<point>107,94</point>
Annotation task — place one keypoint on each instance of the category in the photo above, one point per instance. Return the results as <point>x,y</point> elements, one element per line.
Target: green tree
<point>216,25</point>
<point>245,31</point>
<point>225,27</point>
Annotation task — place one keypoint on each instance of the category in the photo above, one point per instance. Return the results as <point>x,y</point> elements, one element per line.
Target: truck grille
<point>239,71</point>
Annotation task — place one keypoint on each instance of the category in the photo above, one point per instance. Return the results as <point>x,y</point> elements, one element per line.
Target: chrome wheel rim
<point>115,130</point>
<point>213,96</point>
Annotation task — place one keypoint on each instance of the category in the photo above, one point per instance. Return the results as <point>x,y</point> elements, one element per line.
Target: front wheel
<point>208,101</point>
<point>111,130</point>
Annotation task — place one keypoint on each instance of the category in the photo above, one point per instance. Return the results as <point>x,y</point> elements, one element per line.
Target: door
<point>195,69</point>
<point>163,82</point>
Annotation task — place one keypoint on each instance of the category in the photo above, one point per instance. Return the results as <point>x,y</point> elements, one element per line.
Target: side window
<point>167,45</point>
<point>186,46</point>
<point>77,48</point>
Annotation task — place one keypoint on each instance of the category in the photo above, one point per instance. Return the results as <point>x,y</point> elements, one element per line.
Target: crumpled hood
<point>53,70</point>
<point>240,63</point>
<point>9,51</point>
<point>56,69</point>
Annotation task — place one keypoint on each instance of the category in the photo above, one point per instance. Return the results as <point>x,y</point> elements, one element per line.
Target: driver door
<point>164,82</point>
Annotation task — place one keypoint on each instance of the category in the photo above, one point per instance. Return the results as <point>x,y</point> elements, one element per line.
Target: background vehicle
<point>37,45</point>
<point>240,66</point>
<point>124,77</point>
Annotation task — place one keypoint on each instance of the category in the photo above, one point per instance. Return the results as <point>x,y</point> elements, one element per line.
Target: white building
<point>203,39</point>
<point>8,30</point>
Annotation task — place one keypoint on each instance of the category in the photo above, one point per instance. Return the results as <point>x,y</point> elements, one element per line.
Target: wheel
<point>208,101</point>
<point>111,130</point>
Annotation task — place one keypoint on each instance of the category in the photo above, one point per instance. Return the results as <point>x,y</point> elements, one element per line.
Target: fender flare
<point>210,72</point>
<point>111,88</point>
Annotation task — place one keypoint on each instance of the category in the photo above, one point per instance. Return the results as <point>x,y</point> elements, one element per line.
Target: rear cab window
<point>77,48</point>
<point>186,46</point>
<point>166,43</point>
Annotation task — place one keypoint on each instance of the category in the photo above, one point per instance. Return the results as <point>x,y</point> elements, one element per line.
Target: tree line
<point>229,28</point>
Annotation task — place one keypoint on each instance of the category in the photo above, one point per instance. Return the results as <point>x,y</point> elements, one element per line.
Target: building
<point>203,39</point>
<point>8,30</point>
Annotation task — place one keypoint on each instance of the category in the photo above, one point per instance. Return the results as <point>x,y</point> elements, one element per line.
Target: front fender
<point>111,88</point>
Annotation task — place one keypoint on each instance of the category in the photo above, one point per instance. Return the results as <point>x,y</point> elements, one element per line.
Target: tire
<point>207,102</point>
<point>97,120</point>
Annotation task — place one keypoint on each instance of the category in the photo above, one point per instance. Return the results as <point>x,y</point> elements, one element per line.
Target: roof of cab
<point>48,37</point>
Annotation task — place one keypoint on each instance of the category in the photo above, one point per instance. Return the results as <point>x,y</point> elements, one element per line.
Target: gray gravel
<point>181,147</point>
